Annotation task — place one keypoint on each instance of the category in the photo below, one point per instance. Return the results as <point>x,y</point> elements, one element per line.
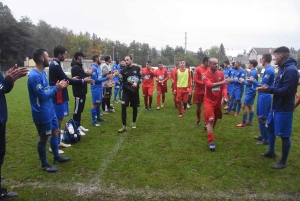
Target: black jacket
<point>77,70</point>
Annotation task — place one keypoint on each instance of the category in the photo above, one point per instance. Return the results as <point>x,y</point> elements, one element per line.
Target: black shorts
<point>106,91</point>
<point>132,98</point>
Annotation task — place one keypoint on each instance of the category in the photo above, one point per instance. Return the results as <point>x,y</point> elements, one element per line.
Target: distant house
<point>257,52</point>
<point>244,59</point>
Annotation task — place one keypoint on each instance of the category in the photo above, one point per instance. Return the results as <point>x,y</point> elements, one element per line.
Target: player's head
<point>123,63</point>
<point>176,64</point>
<point>107,59</point>
<point>252,64</point>
<point>237,65</point>
<point>281,54</point>
<point>213,64</point>
<point>233,64</point>
<point>226,63</point>
<point>160,65</point>
<point>221,67</point>
<point>181,63</point>
<point>187,64</point>
<point>128,60</point>
<point>266,59</point>
<point>205,61</point>
<point>96,59</point>
<point>148,64</point>
<point>40,56</point>
<point>78,56</point>
<point>60,53</point>
<point>117,61</point>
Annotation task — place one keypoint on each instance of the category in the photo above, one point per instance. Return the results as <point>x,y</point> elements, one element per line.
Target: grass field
<point>165,158</point>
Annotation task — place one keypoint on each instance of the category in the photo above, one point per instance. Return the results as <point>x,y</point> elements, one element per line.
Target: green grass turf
<point>165,158</point>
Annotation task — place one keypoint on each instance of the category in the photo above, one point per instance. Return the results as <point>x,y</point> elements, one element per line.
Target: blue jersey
<point>228,72</point>
<point>40,95</point>
<point>251,87</point>
<point>241,73</point>
<point>97,77</point>
<point>117,67</point>
<point>268,77</point>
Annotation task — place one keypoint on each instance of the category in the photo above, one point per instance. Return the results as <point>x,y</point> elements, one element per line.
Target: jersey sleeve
<point>5,85</point>
<point>37,86</point>
<point>196,77</point>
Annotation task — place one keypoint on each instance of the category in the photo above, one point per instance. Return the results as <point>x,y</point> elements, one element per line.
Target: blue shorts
<point>61,110</point>
<point>249,99</point>
<point>47,128</point>
<point>237,94</point>
<point>263,107</point>
<point>97,97</point>
<point>280,123</point>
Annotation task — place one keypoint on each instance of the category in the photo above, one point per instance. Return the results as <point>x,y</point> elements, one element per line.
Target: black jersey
<point>130,75</point>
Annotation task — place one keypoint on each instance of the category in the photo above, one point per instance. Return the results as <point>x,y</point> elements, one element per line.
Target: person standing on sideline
<point>116,67</point>
<point>161,76</point>
<point>280,120</point>
<point>107,85</point>
<point>43,114</point>
<point>199,88</point>
<point>96,89</point>
<point>264,100</point>
<point>250,94</point>
<point>228,74</point>
<point>131,77</point>
<point>6,85</point>
<point>237,89</point>
<point>61,99</point>
<point>215,89</point>
<point>148,85</point>
<point>182,82</point>
<point>122,65</point>
<point>79,91</point>
<point>173,71</point>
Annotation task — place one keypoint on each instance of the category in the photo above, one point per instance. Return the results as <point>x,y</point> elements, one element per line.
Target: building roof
<point>263,50</point>
<point>244,59</point>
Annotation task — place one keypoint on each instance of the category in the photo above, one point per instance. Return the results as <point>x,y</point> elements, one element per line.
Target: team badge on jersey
<point>38,86</point>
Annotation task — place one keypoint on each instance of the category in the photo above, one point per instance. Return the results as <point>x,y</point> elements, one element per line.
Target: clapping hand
<point>89,80</point>
<point>15,73</point>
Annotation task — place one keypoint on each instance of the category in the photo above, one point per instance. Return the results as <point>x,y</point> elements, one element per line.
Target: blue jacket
<point>97,77</point>
<point>285,87</point>
<point>5,87</point>
<point>251,87</point>
<point>241,73</point>
<point>56,73</point>
<point>40,96</point>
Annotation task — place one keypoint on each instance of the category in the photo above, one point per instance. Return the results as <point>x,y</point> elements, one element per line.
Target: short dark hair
<point>222,66</point>
<point>106,58</point>
<point>129,57</point>
<point>226,62</point>
<point>59,50</point>
<point>149,62</point>
<point>205,59</point>
<point>267,57</point>
<point>284,51</point>
<point>117,61</point>
<point>187,64</point>
<point>238,63</point>
<point>182,60</point>
<point>232,63</point>
<point>37,54</point>
<point>95,57</point>
<point>159,62</point>
<point>253,62</point>
<point>176,63</point>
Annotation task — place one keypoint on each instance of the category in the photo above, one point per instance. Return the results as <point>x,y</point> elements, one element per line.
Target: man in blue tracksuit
<point>250,93</point>
<point>237,88</point>
<point>228,74</point>
<point>6,85</point>
<point>96,89</point>
<point>264,100</point>
<point>116,67</point>
<point>280,118</point>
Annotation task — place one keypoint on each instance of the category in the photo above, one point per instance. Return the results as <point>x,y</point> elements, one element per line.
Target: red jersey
<point>148,76</point>
<point>173,73</point>
<point>199,85</point>
<point>176,78</point>
<point>162,74</point>
<point>213,95</point>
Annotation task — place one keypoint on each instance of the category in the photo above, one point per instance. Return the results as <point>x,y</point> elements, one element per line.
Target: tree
<point>201,55</point>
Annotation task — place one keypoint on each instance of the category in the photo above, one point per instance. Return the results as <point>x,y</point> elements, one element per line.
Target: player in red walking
<point>148,85</point>
<point>182,83</point>
<point>161,76</point>
<point>199,88</point>
<point>172,79</point>
<point>215,89</point>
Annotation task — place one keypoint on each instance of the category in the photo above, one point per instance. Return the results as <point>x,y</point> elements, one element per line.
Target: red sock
<point>163,98</point>
<point>198,112</point>
<point>158,100</point>
<point>179,105</point>
<point>210,137</point>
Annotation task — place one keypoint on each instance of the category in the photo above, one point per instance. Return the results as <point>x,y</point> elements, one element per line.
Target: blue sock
<point>251,116</point>
<point>93,113</point>
<point>230,106</point>
<point>245,118</point>
<point>272,139</point>
<point>98,112</point>
<point>286,146</point>
<point>41,147</point>
<point>116,93</point>
<point>234,104</point>
<point>54,146</point>
<point>263,131</point>
<point>238,108</point>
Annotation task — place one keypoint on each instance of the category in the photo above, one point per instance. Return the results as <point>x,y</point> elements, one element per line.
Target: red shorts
<point>211,114</point>
<point>161,89</point>
<point>198,98</point>
<point>182,95</point>
<point>147,91</point>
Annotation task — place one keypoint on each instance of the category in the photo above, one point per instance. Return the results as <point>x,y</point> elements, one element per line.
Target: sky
<point>238,24</point>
